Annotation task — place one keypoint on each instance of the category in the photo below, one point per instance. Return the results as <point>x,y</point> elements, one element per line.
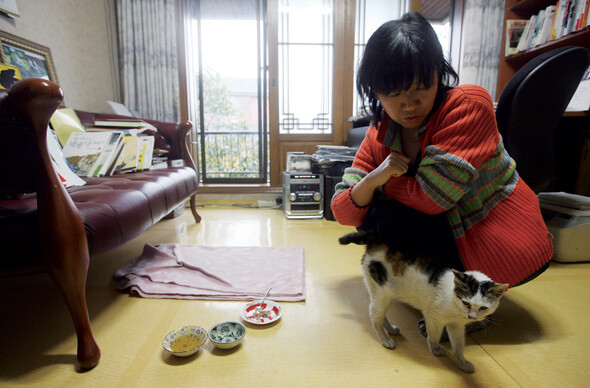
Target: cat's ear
<point>459,279</point>
<point>498,289</point>
<point>459,276</point>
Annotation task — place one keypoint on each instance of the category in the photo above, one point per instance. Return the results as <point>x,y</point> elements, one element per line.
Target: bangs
<point>410,64</point>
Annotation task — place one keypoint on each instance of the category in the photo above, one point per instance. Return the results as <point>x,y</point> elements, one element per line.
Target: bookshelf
<point>524,9</point>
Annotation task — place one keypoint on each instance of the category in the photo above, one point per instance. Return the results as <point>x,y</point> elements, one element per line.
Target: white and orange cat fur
<point>447,298</point>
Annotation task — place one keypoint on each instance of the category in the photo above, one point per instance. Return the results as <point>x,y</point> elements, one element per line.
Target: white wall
<point>77,33</point>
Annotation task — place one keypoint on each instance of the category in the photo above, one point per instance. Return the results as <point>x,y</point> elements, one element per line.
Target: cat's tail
<point>359,238</point>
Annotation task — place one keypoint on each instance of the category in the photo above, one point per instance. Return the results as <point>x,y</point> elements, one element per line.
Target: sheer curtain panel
<point>148,58</point>
<point>481,43</point>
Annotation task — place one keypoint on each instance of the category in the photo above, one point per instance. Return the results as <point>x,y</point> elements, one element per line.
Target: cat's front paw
<point>465,366</point>
<point>436,349</point>
<point>389,343</point>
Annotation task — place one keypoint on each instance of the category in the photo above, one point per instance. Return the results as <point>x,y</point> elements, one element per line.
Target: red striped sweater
<point>466,173</point>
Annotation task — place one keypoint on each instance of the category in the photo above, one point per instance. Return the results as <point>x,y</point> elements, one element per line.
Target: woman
<point>436,149</point>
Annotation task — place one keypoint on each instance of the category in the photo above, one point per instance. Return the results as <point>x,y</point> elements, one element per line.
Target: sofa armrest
<point>24,113</point>
<point>27,109</point>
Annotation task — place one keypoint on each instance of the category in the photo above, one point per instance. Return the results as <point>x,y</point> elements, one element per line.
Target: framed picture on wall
<point>31,59</point>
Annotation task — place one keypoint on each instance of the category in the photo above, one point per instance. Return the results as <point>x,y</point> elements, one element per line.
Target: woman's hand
<point>394,165</point>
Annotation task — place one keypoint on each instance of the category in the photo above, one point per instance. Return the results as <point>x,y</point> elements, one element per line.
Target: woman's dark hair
<point>396,54</point>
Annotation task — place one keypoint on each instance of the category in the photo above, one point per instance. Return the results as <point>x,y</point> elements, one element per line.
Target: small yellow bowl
<point>185,340</point>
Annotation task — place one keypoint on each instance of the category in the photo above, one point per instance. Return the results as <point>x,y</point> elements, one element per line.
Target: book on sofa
<point>108,158</point>
<point>65,174</point>
<point>83,151</point>
<point>129,156</point>
<point>140,125</point>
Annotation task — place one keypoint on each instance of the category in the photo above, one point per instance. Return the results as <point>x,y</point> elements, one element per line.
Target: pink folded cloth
<point>178,271</point>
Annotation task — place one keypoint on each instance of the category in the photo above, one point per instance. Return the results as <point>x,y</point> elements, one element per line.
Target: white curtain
<point>481,42</point>
<point>370,14</point>
<point>148,58</point>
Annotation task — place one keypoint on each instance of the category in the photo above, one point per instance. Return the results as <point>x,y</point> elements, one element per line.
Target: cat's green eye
<point>483,308</point>
<point>467,304</point>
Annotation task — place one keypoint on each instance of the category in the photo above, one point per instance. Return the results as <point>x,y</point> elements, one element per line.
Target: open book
<point>83,151</point>
<point>60,165</point>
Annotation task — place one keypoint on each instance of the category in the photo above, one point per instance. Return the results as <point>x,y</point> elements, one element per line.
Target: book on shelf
<point>60,165</point>
<point>558,17</point>
<point>526,38</point>
<point>537,30</point>
<point>547,24</point>
<point>83,150</point>
<point>514,30</point>
<point>566,21</point>
<point>582,15</point>
<point>553,22</point>
<point>585,18</point>
<point>526,32</point>
<point>127,161</point>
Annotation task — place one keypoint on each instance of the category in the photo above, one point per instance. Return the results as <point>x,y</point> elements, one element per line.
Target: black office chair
<point>531,105</point>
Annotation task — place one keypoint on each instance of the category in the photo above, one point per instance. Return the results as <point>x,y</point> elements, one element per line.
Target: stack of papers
<point>335,153</point>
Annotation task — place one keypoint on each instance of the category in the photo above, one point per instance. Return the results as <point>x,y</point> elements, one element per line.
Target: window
<point>229,53</point>
<point>370,15</point>
<point>308,50</point>
<point>306,56</point>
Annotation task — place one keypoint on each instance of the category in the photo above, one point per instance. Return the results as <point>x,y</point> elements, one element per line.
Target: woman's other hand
<point>394,165</point>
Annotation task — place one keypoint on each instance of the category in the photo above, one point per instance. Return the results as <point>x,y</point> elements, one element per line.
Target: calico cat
<point>445,296</point>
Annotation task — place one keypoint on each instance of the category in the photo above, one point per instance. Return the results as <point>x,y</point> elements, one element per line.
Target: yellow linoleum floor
<point>540,338</point>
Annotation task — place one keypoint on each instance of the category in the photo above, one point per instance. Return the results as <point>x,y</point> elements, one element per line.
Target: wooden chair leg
<point>194,209</point>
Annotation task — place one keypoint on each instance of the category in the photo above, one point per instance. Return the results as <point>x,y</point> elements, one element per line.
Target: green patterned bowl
<point>226,335</point>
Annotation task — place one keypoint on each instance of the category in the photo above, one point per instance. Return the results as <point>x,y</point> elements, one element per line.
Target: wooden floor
<point>540,338</point>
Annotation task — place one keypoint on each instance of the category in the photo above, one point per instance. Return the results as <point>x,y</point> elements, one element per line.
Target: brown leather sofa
<point>44,226</point>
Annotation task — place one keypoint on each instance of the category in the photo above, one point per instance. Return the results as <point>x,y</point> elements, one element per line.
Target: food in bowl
<point>185,340</point>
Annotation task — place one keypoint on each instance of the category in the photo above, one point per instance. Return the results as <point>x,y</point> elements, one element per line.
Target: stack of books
<point>108,147</point>
<point>551,23</point>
